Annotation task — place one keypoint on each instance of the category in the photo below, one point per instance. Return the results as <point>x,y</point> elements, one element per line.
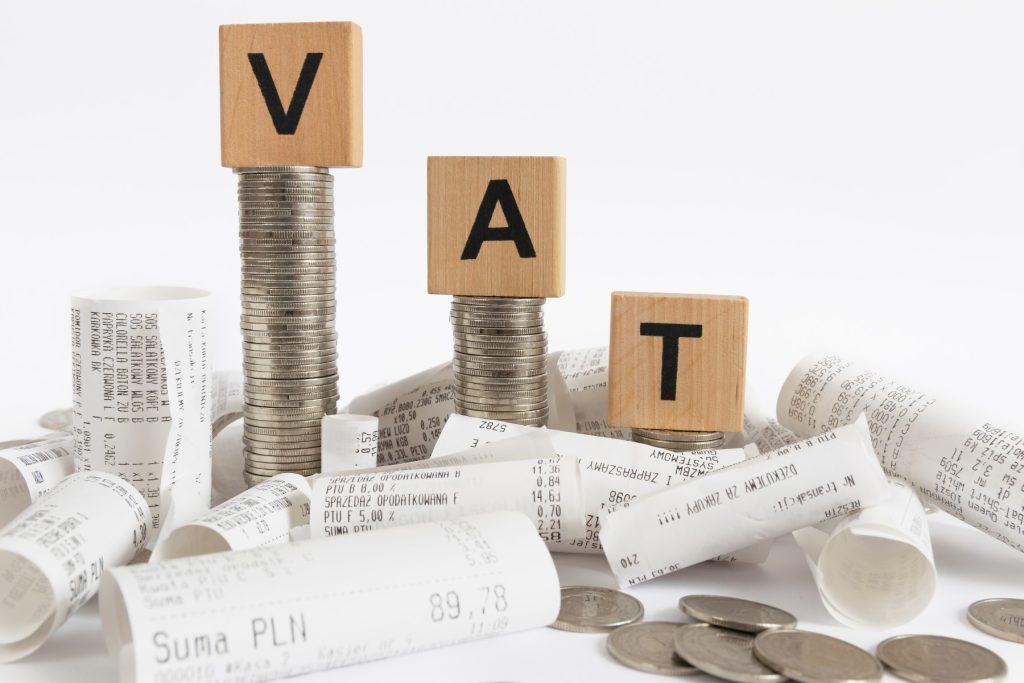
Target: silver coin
<point>676,435</point>
<point>999,617</point>
<point>723,653</point>
<point>264,472</point>
<point>280,441</point>
<point>814,657</point>
<point>326,404</point>
<point>57,419</point>
<point>735,613</point>
<point>648,646</point>
<point>588,609</point>
<point>314,413</point>
<point>500,354</point>
<point>504,416</point>
<point>938,659</point>
<point>491,301</point>
<point>486,368</point>
<point>526,373</point>
<point>503,408</point>
<point>468,393</point>
<point>282,424</point>
<point>258,448</point>
<point>504,383</point>
<point>292,377</point>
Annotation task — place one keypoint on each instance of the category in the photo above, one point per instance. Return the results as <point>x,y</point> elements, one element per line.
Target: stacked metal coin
<point>499,358</point>
<point>678,441</point>
<point>286,231</point>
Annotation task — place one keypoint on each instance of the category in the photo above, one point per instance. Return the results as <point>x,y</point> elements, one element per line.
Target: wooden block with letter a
<point>291,94</point>
<point>677,361</point>
<point>496,226</point>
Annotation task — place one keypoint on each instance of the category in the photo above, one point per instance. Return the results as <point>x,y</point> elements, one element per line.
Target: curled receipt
<point>141,387</point>
<point>611,471</point>
<point>53,554</point>
<point>968,463</point>
<point>30,470</point>
<point>804,484</point>
<point>546,490</point>
<point>412,412</point>
<point>585,372</point>
<point>262,515</point>
<point>283,610</point>
<point>874,568</point>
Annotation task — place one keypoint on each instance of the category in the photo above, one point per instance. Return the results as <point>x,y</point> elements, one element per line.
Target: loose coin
<point>809,657</point>
<point>56,419</point>
<point>938,659</point>
<point>648,646</point>
<point>724,653</point>
<point>999,617</point>
<point>735,613</point>
<point>587,609</point>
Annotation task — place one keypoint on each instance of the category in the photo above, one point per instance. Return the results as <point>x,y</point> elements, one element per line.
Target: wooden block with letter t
<point>496,226</point>
<point>677,361</point>
<point>291,94</point>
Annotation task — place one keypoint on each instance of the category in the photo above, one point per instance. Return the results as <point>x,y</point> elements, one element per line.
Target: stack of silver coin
<point>499,358</point>
<point>678,441</point>
<point>286,231</point>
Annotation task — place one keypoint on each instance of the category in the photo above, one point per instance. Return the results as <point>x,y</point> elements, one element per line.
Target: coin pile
<point>678,441</point>
<point>750,642</point>
<point>499,360</point>
<point>286,232</point>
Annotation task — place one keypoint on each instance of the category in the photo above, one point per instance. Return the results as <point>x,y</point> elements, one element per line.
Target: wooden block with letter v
<point>291,94</point>
<point>496,226</point>
<point>677,361</point>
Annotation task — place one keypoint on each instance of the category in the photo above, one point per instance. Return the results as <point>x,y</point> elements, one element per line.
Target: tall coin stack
<point>286,231</point>
<point>500,350</point>
<point>678,441</point>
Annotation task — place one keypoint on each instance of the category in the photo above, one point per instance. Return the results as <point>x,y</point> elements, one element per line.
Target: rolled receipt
<point>30,470</point>
<point>53,554</point>
<point>611,471</point>
<point>348,442</point>
<point>546,490</point>
<point>874,568</point>
<point>585,372</point>
<point>262,515</point>
<point>284,610</point>
<point>141,387</point>
<point>226,395</point>
<point>958,458</point>
<point>804,484</point>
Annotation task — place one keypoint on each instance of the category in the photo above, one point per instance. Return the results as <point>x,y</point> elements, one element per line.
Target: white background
<point>854,168</point>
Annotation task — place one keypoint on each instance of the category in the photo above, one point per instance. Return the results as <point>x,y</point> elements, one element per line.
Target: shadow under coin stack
<point>286,231</point>
<point>500,350</point>
<point>678,441</point>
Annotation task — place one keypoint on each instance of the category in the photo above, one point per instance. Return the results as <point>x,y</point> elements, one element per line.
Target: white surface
<point>855,168</point>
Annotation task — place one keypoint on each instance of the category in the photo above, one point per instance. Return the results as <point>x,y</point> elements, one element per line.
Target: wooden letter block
<point>677,361</point>
<point>291,95</point>
<point>496,226</point>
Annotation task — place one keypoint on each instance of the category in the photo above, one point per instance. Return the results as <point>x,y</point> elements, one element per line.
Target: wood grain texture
<point>711,371</point>
<point>330,130</point>
<point>456,188</point>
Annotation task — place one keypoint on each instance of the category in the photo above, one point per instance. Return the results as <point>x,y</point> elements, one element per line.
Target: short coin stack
<point>286,231</point>
<point>678,441</point>
<point>500,350</point>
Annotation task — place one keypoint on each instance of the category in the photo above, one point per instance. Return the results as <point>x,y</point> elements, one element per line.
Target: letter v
<point>285,122</point>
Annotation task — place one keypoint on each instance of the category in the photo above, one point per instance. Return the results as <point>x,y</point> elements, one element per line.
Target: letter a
<point>498,192</point>
<point>285,122</point>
